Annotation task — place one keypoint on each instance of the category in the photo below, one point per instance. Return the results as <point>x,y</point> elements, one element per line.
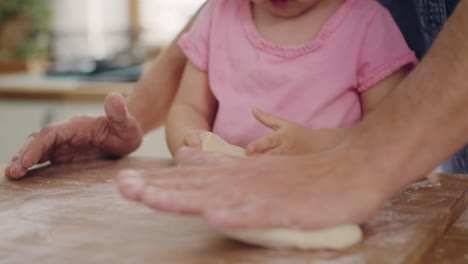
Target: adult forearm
<point>425,120</point>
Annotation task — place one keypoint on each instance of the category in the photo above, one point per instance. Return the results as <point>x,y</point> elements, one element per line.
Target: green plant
<point>38,14</point>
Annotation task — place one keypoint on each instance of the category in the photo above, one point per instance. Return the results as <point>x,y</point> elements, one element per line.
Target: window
<point>90,28</point>
<point>161,20</point>
<point>99,28</point>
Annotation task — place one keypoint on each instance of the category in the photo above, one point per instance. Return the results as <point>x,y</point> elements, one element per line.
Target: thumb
<point>125,128</point>
<point>268,120</point>
<point>264,144</point>
<point>193,140</point>
<point>120,118</point>
<point>115,108</point>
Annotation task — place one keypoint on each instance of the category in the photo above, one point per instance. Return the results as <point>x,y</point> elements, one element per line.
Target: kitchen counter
<point>74,214</point>
<point>30,102</point>
<point>27,86</point>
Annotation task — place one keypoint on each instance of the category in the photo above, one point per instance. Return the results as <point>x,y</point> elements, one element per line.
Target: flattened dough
<point>213,143</point>
<point>338,237</point>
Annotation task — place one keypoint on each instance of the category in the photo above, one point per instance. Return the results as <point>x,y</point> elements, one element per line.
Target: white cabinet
<point>19,118</point>
<point>17,122</point>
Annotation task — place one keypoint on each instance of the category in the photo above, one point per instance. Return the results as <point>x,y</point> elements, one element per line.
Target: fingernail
<point>129,173</point>
<point>131,180</point>
<point>134,185</point>
<point>132,188</point>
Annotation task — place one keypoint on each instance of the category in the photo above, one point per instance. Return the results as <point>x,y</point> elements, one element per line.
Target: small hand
<point>289,138</point>
<point>116,133</point>
<point>192,138</point>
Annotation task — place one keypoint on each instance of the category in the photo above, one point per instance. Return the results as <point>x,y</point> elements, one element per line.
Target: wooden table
<point>453,247</point>
<point>74,214</point>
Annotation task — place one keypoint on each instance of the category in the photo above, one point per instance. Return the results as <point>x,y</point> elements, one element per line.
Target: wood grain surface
<point>453,247</point>
<point>74,214</point>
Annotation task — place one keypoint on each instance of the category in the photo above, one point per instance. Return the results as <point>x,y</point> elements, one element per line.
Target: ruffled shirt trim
<point>194,55</point>
<point>291,51</point>
<point>385,72</point>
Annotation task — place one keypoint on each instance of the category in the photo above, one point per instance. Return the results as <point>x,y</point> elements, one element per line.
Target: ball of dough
<point>338,237</point>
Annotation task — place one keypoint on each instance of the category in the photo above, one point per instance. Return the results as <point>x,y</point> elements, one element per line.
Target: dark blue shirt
<point>420,20</point>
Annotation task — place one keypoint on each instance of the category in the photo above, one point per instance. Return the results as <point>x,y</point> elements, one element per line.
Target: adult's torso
<point>420,20</point>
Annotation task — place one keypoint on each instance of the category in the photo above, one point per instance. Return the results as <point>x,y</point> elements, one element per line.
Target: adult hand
<point>289,138</point>
<point>300,191</point>
<point>116,133</point>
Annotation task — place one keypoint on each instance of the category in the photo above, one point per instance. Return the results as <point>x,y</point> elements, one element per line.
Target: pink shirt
<point>316,84</point>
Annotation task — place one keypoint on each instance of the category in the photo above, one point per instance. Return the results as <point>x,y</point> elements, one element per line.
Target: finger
<point>268,120</point>
<point>131,183</point>
<point>31,153</point>
<point>172,178</point>
<point>175,201</point>
<point>192,140</point>
<point>279,150</point>
<point>123,125</point>
<point>16,168</point>
<point>199,192</point>
<point>115,108</point>
<point>191,201</point>
<point>245,215</point>
<point>62,154</point>
<point>195,157</point>
<point>133,186</point>
<point>264,144</point>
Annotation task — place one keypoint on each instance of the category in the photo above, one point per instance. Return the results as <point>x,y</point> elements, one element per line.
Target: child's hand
<point>192,138</point>
<point>290,138</point>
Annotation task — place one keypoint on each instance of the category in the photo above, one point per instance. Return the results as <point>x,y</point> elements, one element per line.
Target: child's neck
<point>294,30</point>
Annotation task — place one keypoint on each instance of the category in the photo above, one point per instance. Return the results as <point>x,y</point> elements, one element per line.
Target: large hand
<point>299,191</point>
<point>116,133</point>
<point>289,138</point>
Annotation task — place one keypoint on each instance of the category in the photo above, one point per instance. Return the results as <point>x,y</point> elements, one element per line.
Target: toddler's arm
<point>192,110</point>
<point>373,96</point>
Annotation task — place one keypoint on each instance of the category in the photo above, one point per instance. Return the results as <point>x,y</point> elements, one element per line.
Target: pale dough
<point>338,237</point>
<point>213,143</point>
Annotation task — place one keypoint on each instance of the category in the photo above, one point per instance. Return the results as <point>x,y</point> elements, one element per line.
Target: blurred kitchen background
<point>81,36</point>
<point>58,58</point>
